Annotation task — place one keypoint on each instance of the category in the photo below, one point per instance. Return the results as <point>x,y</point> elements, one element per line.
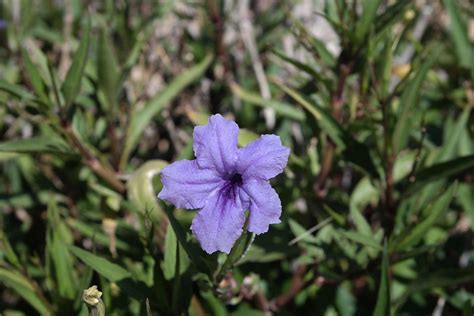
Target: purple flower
<point>224,181</point>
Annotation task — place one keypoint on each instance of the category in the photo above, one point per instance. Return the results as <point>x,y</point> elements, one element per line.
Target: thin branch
<point>92,162</point>
<point>337,101</point>
<point>297,283</point>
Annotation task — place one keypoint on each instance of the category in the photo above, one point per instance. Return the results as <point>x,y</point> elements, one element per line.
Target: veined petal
<point>263,158</point>
<point>265,205</point>
<point>186,185</point>
<point>219,224</point>
<point>215,144</point>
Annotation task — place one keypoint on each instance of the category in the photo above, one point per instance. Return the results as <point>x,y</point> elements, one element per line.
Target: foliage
<point>378,195</point>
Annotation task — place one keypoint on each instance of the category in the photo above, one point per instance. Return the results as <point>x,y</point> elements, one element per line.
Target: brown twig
<point>297,283</point>
<point>337,101</point>
<point>115,147</point>
<point>218,22</point>
<point>262,303</point>
<point>92,162</point>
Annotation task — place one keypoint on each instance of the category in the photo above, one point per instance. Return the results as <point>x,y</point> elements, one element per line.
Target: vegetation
<point>374,98</point>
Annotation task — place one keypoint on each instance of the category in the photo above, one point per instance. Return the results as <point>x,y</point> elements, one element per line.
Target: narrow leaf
<point>441,171</point>
<point>57,245</point>
<point>365,240</point>
<point>23,287</point>
<point>382,308</point>
<point>459,33</point>
<point>280,108</point>
<point>108,70</point>
<point>353,150</point>
<point>390,15</point>
<point>437,279</point>
<point>409,103</point>
<point>452,139</point>
<point>366,20</point>
<point>34,77</point>
<point>16,91</point>
<point>35,145</point>
<point>111,271</point>
<point>315,74</point>
<point>435,211</point>
<point>72,83</point>
<point>188,248</point>
<point>316,46</point>
<point>173,267</point>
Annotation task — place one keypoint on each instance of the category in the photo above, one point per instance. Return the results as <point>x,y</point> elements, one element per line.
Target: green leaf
<point>108,70</point>
<point>413,235</point>
<point>95,232</point>
<point>25,289</point>
<point>215,305</point>
<point>459,34</point>
<point>365,240</point>
<point>315,45</point>
<point>35,78</point>
<point>35,145</point>
<point>353,151</point>
<point>16,91</point>
<point>441,171</point>
<point>72,84</point>
<point>283,109</point>
<point>111,271</point>
<point>453,137</point>
<point>366,20</point>
<point>173,267</point>
<point>7,251</point>
<point>58,239</point>
<point>437,279</point>
<point>140,119</point>
<point>140,188</point>
<point>390,15</point>
<point>315,74</point>
<point>191,251</point>
<point>409,103</point>
<point>326,121</point>
<point>382,307</point>
<point>360,222</point>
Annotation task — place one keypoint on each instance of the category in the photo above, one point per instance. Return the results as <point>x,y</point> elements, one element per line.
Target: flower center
<point>236,179</point>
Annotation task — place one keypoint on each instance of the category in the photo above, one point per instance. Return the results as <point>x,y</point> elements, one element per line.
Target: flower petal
<point>219,224</point>
<point>186,185</point>
<point>264,158</point>
<point>215,144</point>
<point>265,205</point>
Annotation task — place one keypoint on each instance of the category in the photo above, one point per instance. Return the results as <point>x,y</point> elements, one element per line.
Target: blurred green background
<point>374,98</point>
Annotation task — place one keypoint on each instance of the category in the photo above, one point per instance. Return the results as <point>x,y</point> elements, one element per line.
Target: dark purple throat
<point>236,179</point>
<point>231,186</point>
